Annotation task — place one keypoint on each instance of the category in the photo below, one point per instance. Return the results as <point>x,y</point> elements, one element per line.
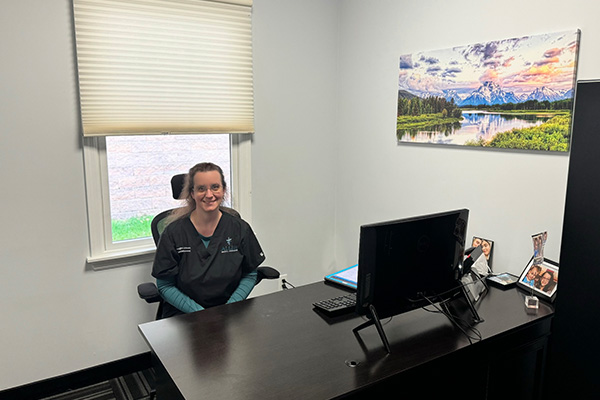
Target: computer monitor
<point>407,263</point>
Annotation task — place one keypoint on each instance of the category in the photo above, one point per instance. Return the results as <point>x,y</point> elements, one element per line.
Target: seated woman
<point>205,257</point>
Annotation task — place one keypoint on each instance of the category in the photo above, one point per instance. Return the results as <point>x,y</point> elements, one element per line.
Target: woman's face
<point>485,246</point>
<point>208,190</point>
<point>545,279</point>
<point>476,242</point>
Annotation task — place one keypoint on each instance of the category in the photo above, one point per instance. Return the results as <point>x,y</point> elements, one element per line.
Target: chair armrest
<point>267,273</point>
<point>149,292</point>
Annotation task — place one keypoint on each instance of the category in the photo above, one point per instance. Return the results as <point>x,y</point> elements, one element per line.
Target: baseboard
<point>79,379</point>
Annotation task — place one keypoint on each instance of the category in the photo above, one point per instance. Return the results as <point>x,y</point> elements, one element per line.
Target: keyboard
<point>337,305</point>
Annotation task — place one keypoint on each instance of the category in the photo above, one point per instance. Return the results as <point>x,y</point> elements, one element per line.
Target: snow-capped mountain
<point>450,94</point>
<point>568,94</point>
<point>544,93</point>
<point>488,94</point>
<point>521,97</point>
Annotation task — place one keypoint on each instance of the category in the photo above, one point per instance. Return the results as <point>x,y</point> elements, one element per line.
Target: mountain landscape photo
<point>447,96</point>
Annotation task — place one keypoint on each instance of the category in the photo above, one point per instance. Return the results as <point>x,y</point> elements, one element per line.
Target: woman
<point>546,282</point>
<point>205,257</point>
<point>486,247</point>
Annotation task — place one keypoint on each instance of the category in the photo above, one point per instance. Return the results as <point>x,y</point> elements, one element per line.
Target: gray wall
<point>324,160</point>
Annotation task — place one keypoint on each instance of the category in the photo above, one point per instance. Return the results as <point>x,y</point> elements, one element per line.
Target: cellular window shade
<point>164,66</point>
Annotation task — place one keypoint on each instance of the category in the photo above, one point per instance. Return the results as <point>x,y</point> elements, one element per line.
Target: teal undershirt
<point>184,303</point>
<point>205,240</point>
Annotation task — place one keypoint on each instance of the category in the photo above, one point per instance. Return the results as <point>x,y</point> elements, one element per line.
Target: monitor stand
<point>374,320</point>
<point>477,319</point>
<point>473,293</point>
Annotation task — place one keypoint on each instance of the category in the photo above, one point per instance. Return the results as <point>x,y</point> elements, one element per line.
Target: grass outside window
<point>131,228</point>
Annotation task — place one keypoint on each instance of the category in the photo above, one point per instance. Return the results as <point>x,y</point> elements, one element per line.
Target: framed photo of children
<point>540,278</point>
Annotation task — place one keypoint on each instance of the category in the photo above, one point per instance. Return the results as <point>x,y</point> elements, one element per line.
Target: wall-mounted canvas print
<point>512,94</point>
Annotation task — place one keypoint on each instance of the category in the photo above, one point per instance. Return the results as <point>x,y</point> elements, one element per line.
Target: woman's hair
<point>188,187</point>
<point>537,267</point>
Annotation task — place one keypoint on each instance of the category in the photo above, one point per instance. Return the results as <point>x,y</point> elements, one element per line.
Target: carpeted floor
<point>134,386</point>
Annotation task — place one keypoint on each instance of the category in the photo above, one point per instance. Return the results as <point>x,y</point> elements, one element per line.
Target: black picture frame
<point>504,280</point>
<point>544,283</point>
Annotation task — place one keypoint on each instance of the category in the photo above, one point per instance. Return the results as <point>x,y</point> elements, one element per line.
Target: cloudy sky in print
<point>519,65</point>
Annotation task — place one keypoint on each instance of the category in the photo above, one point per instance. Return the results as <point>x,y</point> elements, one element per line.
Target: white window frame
<point>103,253</point>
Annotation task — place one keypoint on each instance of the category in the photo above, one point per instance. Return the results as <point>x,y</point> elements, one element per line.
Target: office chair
<point>148,291</point>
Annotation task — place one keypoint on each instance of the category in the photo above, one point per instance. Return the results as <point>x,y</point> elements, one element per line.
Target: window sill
<point>122,258</point>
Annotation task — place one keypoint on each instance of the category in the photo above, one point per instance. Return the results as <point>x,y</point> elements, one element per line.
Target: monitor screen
<point>402,261</point>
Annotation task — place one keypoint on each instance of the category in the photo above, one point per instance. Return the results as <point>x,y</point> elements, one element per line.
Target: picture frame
<point>487,246</point>
<point>504,280</point>
<point>539,241</point>
<point>540,278</point>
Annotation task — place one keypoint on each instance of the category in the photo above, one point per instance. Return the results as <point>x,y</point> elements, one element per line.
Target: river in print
<point>474,126</point>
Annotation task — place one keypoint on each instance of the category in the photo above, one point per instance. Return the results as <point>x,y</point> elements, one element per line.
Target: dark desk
<point>277,347</point>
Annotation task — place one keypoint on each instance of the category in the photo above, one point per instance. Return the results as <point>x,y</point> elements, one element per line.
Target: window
<point>125,186</point>
<point>140,168</point>
<point>160,78</point>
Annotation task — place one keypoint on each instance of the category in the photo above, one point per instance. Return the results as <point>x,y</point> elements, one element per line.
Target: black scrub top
<point>208,275</point>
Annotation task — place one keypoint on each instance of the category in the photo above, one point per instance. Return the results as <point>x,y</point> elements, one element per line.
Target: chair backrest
<point>158,224</point>
<point>177,182</point>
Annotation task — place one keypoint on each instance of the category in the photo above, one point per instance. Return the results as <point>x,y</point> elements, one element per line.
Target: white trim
<point>241,195</point>
<point>121,259</point>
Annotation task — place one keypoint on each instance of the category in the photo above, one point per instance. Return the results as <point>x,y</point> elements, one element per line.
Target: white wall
<point>510,195</point>
<point>293,154</point>
<point>324,161</point>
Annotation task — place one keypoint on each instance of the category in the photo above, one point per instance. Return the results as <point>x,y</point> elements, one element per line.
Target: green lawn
<point>132,228</point>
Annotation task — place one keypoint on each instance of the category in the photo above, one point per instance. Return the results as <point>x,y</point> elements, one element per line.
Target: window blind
<point>164,66</point>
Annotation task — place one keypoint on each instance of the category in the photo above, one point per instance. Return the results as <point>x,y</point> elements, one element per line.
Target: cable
<point>458,322</point>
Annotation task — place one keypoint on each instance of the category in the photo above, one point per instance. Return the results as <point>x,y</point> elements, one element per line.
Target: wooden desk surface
<point>276,346</point>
